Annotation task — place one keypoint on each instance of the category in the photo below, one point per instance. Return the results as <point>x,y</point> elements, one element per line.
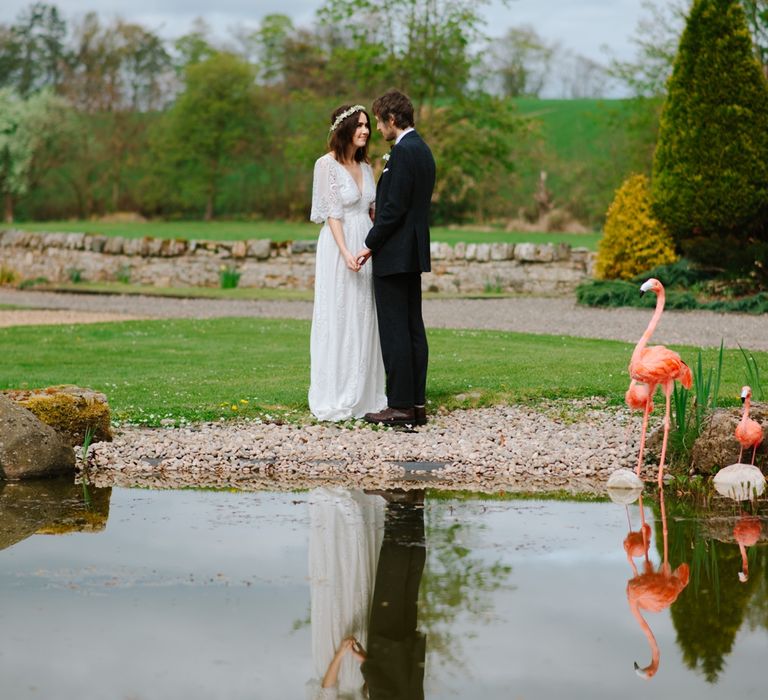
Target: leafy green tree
<point>194,47</point>
<point>474,142</point>
<point>423,46</point>
<point>121,71</point>
<point>33,50</point>
<point>27,127</point>
<point>271,40</point>
<point>710,172</point>
<point>521,62</point>
<point>211,125</point>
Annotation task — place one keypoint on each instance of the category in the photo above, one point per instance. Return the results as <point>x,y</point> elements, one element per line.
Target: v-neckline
<point>360,187</point>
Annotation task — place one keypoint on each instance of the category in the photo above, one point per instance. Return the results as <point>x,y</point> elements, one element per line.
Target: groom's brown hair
<point>394,104</point>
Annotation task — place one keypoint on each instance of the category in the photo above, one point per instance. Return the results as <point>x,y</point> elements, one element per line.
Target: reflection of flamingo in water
<point>749,433</point>
<point>636,543</point>
<point>747,532</point>
<point>656,365</point>
<point>653,590</point>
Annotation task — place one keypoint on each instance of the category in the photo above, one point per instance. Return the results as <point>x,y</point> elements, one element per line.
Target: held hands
<point>362,256</point>
<point>351,261</point>
<point>350,644</point>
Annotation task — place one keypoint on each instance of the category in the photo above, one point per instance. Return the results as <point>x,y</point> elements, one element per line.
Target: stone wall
<point>504,267</point>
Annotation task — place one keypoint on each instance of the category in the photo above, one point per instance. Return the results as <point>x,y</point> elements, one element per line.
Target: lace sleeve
<point>326,201</point>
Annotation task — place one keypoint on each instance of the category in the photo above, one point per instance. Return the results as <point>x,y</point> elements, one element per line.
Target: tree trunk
<point>208,208</point>
<point>8,208</point>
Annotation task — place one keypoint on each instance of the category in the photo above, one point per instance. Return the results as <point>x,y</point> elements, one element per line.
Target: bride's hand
<point>349,259</point>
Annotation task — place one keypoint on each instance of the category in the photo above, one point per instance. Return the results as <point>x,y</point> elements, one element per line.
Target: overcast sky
<point>585,26</point>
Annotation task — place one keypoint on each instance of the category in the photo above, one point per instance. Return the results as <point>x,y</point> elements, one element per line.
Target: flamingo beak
<point>743,399</point>
<point>743,577</point>
<point>641,671</point>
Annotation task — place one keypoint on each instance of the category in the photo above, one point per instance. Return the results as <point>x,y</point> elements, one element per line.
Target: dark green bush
<point>616,293</point>
<point>678,274</point>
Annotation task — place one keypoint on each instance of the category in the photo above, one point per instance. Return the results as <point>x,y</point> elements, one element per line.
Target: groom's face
<point>386,128</point>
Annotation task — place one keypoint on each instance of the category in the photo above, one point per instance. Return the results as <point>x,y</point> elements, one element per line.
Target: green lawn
<point>285,230</point>
<point>198,370</point>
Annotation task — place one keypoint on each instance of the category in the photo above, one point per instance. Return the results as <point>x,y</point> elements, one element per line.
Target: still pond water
<point>144,595</point>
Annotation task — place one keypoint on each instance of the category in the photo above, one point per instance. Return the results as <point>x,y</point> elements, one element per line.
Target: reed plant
<point>752,374</point>
<point>687,424</point>
<point>87,439</point>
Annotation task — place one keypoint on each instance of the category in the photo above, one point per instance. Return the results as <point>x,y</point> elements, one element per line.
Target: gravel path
<point>522,314</point>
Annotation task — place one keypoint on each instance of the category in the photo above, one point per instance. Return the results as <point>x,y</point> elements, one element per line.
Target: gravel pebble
<point>574,447</point>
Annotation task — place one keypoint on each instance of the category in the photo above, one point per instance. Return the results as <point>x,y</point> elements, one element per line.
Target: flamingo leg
<point>741,452</point>
<point>754,450</point>
<point>668,395</point>
<point>646,412</point>
<point>664,530</point>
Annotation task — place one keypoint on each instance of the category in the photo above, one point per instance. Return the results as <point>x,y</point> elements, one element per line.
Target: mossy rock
<point>70,410</point>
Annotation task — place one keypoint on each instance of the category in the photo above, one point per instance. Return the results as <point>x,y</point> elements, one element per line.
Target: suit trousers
<point>403,338</point>
<point>394,668</point>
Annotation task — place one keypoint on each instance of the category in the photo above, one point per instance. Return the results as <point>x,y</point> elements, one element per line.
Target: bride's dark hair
<point>344,132</point>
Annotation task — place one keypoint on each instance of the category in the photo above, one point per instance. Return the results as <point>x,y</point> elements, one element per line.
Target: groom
<point>399,243</point>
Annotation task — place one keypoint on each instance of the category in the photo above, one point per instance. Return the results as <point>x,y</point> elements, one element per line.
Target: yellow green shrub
<point>633,240</point>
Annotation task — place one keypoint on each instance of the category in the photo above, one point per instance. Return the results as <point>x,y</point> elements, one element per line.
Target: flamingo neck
<point>643,342</point>
<point>744,561</point>
<point>745,413</point>
<point>651,669</point>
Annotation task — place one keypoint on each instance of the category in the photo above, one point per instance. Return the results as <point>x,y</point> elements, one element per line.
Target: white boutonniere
<point>385,157</point>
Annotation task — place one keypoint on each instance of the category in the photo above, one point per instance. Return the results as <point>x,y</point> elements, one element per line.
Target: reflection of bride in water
<point>346,528</point>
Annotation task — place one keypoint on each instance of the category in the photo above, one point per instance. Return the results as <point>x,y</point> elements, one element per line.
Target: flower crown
<point>346,113</point>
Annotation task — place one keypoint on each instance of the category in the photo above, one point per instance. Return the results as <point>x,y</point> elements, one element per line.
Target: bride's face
<point>362,131</point>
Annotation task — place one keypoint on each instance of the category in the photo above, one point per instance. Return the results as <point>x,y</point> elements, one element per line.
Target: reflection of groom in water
<point>394,667</point>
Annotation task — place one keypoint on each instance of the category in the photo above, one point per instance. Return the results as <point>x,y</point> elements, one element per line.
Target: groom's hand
<point>362,256</point>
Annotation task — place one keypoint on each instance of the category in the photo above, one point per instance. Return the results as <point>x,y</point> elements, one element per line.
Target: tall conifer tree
<point>710,172</point>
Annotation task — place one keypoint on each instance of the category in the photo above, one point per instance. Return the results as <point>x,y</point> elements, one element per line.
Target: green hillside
<point>587,147</point>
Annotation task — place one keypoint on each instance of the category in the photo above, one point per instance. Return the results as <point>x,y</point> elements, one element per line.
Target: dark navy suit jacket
<point>399,238</point>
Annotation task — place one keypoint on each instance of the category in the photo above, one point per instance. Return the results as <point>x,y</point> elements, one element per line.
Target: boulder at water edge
<point>70,410</point>
<point>29,448</point>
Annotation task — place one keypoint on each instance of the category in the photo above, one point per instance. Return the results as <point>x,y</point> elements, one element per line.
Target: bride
<point>346,368</point>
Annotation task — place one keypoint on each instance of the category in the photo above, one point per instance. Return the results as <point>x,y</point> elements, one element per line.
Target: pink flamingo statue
<point>654,591</point>
<point>746,532</point>
<point>654,366</point>
<point>749,432</point>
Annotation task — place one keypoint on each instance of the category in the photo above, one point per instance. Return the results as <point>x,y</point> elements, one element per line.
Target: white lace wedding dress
<point>346,369</point>
<point>346,530</point>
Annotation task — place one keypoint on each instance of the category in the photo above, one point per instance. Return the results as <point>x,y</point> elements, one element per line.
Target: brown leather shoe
<point>420,415</point>
<point>392,416</point>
